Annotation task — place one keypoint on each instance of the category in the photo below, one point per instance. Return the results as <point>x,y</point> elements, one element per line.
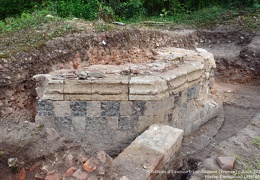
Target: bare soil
<point>237,87</point>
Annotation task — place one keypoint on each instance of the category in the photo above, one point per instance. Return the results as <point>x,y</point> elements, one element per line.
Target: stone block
<point>147,88</point>
<point>47,121</point>
<point>77,97</point>
<point>179,89</point>
<point>77,87</point>
<point>78,124</point>
<point>160,106</point>
<point>63,123</point>
<point>58,97</point>
<point>148,152</point>
<point>126,108</point>
<point>112,123</point>
<point>177,82</point>
<point>61,108</point>
<point>194,75</point>
<point>111,85</point>
<point>145,121</point>
<point>78,108</point>
<point>111,97</point>
<point>126,123</point>
<point>110,108</point>
<point>47,88</point>
<point>93,108</point>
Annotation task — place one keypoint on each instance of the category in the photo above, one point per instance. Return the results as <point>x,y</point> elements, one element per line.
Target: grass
<point>256,141</point>
<point>32,30</point>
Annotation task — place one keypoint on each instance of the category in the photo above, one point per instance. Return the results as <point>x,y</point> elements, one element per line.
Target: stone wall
<point>109,112</point>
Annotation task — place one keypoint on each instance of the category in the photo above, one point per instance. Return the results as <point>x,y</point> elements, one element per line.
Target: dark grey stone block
<point>78,108</point>
<point>45,108</point>
<point>110,108</point>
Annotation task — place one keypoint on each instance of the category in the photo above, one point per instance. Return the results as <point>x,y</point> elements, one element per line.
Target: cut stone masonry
<point>174,89</point>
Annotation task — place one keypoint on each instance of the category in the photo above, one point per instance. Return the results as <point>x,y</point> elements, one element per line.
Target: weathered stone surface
<point>159,142</point>
<point>77,87</point>
<point>128,98</point>
<point>48,88</point>
<point>78,124</point>
<point>112,87</point>
<point>147,88</point>
<point>193,75</point>
<point>61,108</point>
<point>226,162</point>
<point>52,175</point>
<point>52,134</point>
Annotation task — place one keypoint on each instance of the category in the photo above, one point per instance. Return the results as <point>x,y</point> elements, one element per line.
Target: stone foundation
<point>109,111</point>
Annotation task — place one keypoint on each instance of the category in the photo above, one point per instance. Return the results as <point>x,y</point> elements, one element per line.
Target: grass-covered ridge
<point>33,28</point>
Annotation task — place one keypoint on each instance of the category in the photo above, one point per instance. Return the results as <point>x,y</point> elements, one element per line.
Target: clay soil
<point>237,89</point>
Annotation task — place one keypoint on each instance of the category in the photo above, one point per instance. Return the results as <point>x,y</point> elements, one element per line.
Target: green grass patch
<point>256,141</point>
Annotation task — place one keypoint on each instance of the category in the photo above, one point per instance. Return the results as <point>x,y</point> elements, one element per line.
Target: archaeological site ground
<point>132,103</point>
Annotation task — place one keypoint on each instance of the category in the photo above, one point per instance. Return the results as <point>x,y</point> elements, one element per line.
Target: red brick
<point>90,165</point>
<point>35,166</point>
<point>52,175</point>
<point>70,171</point>
<point>226,162</point>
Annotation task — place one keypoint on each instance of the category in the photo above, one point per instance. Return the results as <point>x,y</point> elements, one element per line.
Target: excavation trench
<point>115,102</point>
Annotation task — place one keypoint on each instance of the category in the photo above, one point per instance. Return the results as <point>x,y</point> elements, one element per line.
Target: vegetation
<point>30,23</point>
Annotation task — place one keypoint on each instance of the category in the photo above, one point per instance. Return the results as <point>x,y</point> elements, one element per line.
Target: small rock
<point>69,160</point>
<point>226,162</point>
<point>90,165</point>
<point>49,16</point>
<point>70,171</point>
<point>93,177</point>
<point>83,75</point>
<point>52,175</point>
<point>81,175</point>
<point>39,176</point>
<point>119,23</point>
<point>45,169</point>
<point>35,166</point>
<point>102,156</point>
<point>101,171</point>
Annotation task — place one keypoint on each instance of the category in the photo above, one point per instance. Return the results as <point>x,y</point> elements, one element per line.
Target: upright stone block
<point>149,153</point>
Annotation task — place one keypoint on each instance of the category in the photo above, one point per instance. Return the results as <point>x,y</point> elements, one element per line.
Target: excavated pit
<point>131,46</point>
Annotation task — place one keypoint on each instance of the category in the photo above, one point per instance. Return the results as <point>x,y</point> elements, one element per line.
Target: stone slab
<point>149,152</point>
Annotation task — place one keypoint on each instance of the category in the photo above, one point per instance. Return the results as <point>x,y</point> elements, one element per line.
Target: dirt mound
<point>17,89</point>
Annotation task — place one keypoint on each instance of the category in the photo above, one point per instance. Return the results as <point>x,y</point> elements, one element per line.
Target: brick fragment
<point>90,165</point>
